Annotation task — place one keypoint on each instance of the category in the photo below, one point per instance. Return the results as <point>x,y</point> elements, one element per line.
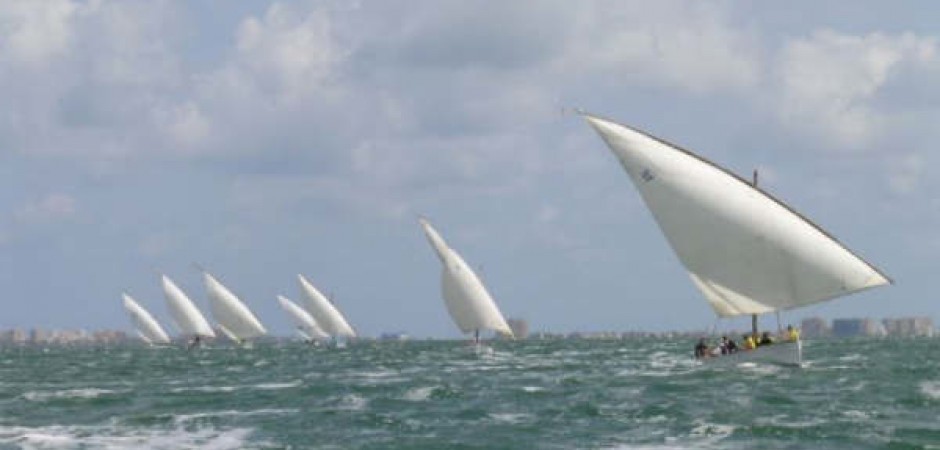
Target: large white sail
<point>467,300</point>
<point>323,311</point>
<point>230,312</point>
<point>302,320</point>
<point>147,327</point>
<point>746,251</point>
<point>186,316</point>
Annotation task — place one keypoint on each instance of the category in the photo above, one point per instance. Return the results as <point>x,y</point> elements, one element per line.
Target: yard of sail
<point>302,320</point>
<point>747,252</point>
<point>231,314</point>
<point>186,316</point>
<point>324,313</point>
<point>147,327</point>
<point>468,302</point>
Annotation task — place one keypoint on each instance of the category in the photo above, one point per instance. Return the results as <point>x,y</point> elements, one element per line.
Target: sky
<point>265,139</point>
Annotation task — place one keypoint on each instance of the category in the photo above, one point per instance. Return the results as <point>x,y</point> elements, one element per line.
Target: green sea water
<point>613,394</point>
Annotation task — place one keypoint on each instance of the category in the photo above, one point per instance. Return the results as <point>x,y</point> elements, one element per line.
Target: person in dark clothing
<point>728,346</point>
<point>701,349</point>
<point>765,339</point>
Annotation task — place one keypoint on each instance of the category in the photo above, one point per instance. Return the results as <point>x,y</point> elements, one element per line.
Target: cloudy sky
<point>266,139</point>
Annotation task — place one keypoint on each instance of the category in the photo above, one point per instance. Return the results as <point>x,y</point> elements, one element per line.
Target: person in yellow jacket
<point>749,343</point>
<point>793,334</point>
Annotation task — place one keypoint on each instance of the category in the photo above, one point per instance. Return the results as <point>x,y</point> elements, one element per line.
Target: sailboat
<point>147,327</point>
<point>324,312</point>
<point>746,251</point>
<point>468,302</point>
<point>187,318</point>
<point>304,323</point>
<point>235,320</point>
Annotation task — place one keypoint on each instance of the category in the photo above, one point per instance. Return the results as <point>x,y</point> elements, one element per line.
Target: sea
<point>526,394</point>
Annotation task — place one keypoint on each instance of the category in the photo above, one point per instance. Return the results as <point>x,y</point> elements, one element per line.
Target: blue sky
<point>267,139</point>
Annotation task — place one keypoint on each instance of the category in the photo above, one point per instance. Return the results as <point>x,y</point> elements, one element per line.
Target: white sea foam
<point>181,419</point>
<point>419,394</point>
<point>39,396</point>
<point>531,389</point>
<point>510,417</point>
<point>274,386</point>
<point>931,389</point>
<point>115,437</point>
<point>353,402</point>
<point>209,389</point>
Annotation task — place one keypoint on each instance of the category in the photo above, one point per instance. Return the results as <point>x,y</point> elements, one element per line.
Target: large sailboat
<point>468,302</point>
<point>305,325</point>
<point>324,312</point>
<point>187,318</point>
<point>234,318</point>
<point>147,327</point>
<point>746,251</point>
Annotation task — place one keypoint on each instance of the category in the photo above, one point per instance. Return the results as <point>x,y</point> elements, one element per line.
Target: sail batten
<point>468,302</point>
<point>323,311</point>
<point>230,312</point>
<point>746,251</point>
<point>147,327</point>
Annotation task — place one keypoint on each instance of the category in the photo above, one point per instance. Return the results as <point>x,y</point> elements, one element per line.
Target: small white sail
<point>467,300</point>
<point>324,313</point>
<point>187,318</point>
<point>230,312</point>
<point>305,324</point>
<point>747,252</point>
<point>147,327</point>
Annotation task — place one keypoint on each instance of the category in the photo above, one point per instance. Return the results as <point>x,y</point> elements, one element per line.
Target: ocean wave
<point>181,419</point>
<point>86,393</point>
<point>117,438</point>
<point>931,389</point>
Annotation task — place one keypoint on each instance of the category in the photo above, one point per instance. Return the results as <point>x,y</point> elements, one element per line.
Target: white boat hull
<point>782,353</point>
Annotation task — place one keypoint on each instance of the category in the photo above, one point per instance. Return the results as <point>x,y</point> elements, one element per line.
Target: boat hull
<point>783,353</point>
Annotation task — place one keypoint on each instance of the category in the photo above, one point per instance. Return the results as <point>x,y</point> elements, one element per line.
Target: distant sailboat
<point>303,322</point>
<point>187,318</point>
<point>324,312</point>
<point>147,327</point>
<point>234,318</point>
<point>747,252</point>
<point>468,302</point>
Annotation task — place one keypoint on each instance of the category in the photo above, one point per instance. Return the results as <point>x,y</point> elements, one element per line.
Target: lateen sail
<point>467,300</point>
<point>147,327</point>
<point>325,314</point>
<point>230,312</point>
<point>745,250</point>
<point>305,323</point>
<point>186,316</point>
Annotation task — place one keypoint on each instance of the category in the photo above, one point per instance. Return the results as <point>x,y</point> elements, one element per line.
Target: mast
<point>754,316</point>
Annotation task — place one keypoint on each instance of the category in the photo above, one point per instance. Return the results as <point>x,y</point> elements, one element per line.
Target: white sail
<point>467,300</point>
<point>147,327</point>
<point>746,251</point>
<point>305,324</point>
<point>230,312</point>
<point>323,311</point>
<point>187,318</point>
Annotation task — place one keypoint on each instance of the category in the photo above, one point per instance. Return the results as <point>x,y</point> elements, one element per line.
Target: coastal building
<point>857,327</point>
<point>814,327</point>
<point>909,326</point>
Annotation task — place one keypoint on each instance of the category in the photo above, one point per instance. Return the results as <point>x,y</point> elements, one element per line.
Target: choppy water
<point>527,394</point>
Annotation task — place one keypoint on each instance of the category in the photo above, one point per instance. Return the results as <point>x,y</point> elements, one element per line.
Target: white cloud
<point>55,207</point>
<point>291,52</point>
<point>689,45</point>
<point>829,81</point>
<point>35,32</point>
